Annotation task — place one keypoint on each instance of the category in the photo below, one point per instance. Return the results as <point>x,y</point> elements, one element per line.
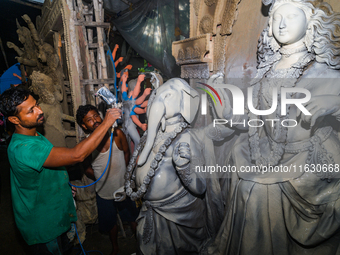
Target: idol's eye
<point>291,16</point>
<point>277,17</point>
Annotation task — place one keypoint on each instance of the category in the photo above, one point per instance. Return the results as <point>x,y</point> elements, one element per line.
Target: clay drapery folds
<point>294,212</point>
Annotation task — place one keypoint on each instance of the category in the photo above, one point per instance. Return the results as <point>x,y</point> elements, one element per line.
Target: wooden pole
<point>98,11</point>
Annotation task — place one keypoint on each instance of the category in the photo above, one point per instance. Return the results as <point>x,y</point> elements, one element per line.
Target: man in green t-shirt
<point>42,199</point>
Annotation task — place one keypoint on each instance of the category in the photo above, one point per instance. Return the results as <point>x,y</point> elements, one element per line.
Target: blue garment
<point>7,78</point>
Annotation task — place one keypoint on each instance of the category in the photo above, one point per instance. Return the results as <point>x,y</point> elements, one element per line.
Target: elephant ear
<point>190,103</point>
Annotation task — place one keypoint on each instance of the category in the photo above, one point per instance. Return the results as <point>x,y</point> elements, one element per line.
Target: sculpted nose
<point>283,23</point>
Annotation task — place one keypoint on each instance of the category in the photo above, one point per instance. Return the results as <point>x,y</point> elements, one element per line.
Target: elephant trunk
<point>155,116</point>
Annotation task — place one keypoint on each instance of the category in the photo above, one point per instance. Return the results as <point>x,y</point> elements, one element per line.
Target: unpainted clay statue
<point>49,100</point>
<point>295,208</point>
<point>133,106</point>
<point>181,209</point>
<point>141,103</point>
<point>170,220</point>
<point>45,73</point>
<point>27,56</point>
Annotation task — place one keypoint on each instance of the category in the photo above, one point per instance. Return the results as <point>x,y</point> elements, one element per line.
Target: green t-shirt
<point>42,198</point>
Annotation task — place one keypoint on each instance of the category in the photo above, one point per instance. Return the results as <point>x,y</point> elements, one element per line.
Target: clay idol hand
<point>182,154</point>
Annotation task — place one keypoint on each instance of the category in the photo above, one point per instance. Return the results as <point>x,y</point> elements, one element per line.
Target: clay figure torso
<point>166,179</point>
<point>290,208</point>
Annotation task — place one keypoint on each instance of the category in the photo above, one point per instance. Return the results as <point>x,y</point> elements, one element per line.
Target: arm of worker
<point>89,172</point>
<point>123,145</point>
<point>141,99</point>
<point>61,156</point>
<point>136,90</point>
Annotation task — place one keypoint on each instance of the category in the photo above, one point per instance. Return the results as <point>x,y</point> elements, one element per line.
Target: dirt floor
<point>11,242</point>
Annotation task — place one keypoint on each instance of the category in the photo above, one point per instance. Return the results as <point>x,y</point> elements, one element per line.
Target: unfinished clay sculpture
<point>45,74</point>
<point>133,106</point>
<point>171,219</point>
<point>289,203</point>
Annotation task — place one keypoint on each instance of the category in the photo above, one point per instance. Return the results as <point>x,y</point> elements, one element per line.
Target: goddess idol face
<point>289,24</point>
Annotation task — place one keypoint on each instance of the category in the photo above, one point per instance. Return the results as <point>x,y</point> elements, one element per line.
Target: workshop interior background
<point>227,33</point>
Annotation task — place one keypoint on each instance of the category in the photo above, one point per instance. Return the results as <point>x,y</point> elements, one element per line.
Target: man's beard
<point>31,125</point>
<point>94,125</point>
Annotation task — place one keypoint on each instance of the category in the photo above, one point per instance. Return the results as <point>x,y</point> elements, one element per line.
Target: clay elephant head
<point>174,98</point>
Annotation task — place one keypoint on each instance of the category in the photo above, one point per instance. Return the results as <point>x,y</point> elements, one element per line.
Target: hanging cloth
<point>150,28</point>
